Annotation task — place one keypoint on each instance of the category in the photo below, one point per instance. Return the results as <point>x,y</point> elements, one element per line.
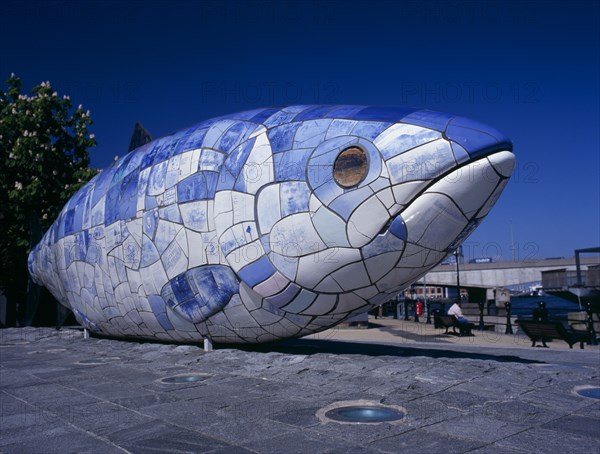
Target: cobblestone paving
<point>60,392</point>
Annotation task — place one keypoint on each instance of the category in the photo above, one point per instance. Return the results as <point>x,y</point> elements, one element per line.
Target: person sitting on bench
<point>455,310</point>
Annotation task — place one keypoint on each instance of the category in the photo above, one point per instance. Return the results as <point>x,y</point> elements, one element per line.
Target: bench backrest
<point>445,319</point>
<point>554,330</point>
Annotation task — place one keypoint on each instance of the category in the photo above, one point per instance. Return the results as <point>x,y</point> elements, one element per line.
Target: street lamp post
<point>457,253</point>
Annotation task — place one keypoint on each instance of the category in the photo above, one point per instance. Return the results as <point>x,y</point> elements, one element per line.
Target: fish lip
<point>489,151</point>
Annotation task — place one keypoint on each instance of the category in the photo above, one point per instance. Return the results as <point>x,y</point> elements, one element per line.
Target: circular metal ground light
<point>361,412</point>
<point>184,378</point>
<point>592,392</point>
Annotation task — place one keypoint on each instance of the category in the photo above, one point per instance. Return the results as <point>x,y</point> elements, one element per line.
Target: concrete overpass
<point>501,274</point>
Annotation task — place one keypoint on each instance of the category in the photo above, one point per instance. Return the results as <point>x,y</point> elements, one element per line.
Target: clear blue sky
<point>530,69</point>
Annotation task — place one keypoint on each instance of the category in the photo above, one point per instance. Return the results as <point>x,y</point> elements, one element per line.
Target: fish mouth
<point>454,203</point>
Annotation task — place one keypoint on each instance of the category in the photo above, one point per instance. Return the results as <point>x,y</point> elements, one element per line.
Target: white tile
<point>401,137</point>
<point>223,221</point>
<point>492,200</point>
<point>134,279</point>
<point>300,302</point>
<point>314,203</point>
<point>503,162</point>
<point>131,253</point>
<point>340,127</point>
<point>172,175</point>
<point>98,212</point>
<point>195,215</point>
<point>285,265</point>
<point>113,235</point>
<point>380,265</point>
<point>273,285</point>
<point>214,255</point>
<point>185,165</point>
<point>165,234</point>
<point>268,208</point>
<point>295,236</point>
<point>380,183</point>
<point>85,271</point>
<point>264,317</point>
<point>258,169</point>
<point>151,322</point>
<point>215,132</point>
<point>380,298</point>
<point>348,302</point>
<point>194,160</point>
<point>433,221</point>
<point>179,322</point>
<point>414,256</point>
<point>237,236</point>
<point>367,292</point>
<point>367,220</point>
<point>244,255</point>
<point>174,260</point>
<point>123,295</point>
<point>405,192</point>
<point>352,276</point>
<point>260,129</point>
<point>330,227</point>
<point>156,181</point>
<point>210,161</point>
<point>313,268</point>
<point>243,207</point>
<point>197,253</point>
<point>311,133</point>
<point>328,285</point>
<point>210,205</point>
<point>181,239</point>
<point>422,163</point>
<point>135,229</point>
<point>238,315</point>
<point>322,305</point>
<point>434,257</point>
<point>469,186</point>
<point>386,196</point>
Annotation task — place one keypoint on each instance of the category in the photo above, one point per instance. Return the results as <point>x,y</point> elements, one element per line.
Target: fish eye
<point>350,167</point>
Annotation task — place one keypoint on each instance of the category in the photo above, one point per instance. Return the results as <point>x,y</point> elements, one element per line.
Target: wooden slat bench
<point>450,321</point>
<point>543,331</point>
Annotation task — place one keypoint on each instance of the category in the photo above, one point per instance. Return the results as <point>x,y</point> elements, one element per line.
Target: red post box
<point>419,308</point>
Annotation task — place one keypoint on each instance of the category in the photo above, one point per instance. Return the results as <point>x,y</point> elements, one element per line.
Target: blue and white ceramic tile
<point>259,226</point>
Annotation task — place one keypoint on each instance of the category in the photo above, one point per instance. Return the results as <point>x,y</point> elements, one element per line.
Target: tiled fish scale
<point>271,223</point>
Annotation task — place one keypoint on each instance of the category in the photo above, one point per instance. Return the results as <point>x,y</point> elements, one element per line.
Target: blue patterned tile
<point>314,113</point>
<point>236,160</point>
<point>282,137</point>
<point>293,197</point>
<point>284,297</point>
<point>235,135</point>
<point>142,235</point>
<point>257,272</point>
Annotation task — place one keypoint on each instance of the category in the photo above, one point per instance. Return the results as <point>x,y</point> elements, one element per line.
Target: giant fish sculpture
<point>272,223</point>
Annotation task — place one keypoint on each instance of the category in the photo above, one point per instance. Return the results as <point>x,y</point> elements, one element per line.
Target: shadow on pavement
<point>313,346</point>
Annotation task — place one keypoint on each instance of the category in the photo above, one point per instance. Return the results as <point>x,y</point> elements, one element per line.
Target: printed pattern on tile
<point>272,223</point>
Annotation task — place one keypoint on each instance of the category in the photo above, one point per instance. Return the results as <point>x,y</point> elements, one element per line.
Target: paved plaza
<point>490,393</point>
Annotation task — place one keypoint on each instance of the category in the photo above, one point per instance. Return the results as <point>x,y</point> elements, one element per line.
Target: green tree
<point>44,160</point>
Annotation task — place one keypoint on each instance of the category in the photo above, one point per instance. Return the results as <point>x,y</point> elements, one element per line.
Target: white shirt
<point>455,310</point>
